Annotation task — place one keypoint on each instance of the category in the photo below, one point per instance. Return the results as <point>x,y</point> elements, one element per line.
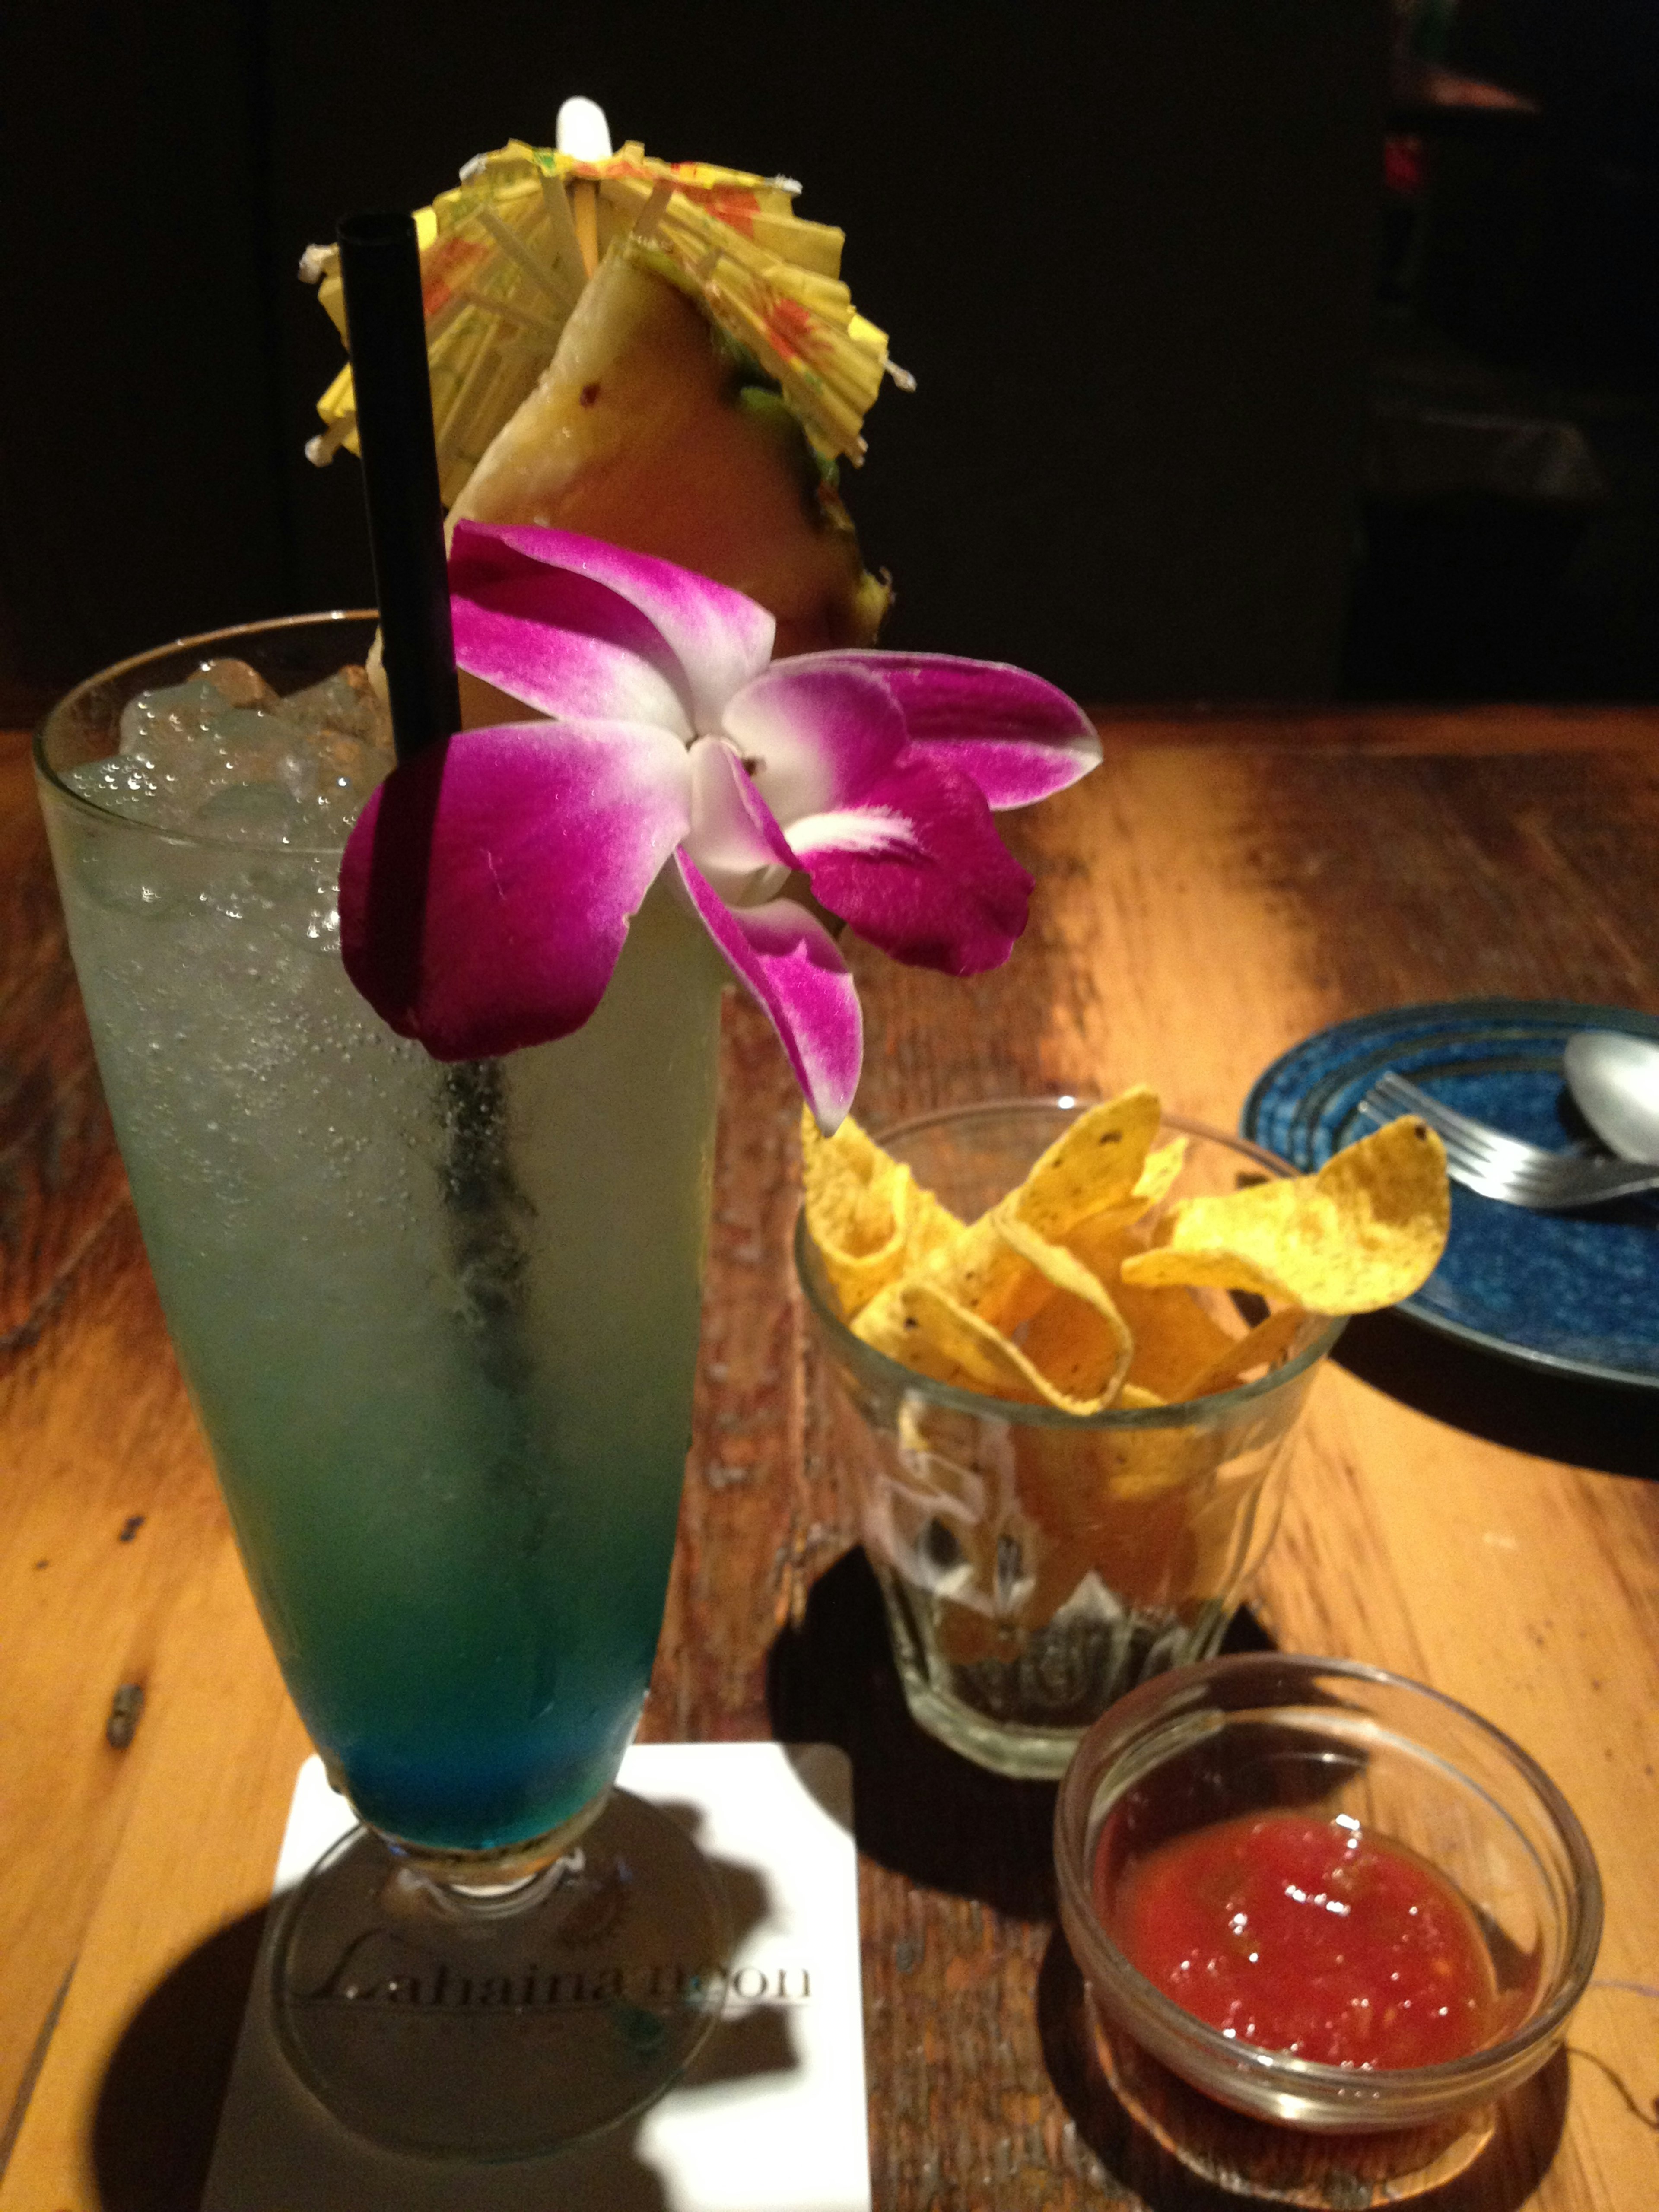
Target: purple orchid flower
<point>488,884</point>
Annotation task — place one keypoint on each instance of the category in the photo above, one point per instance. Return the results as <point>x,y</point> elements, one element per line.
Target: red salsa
<point>1310,1936</point>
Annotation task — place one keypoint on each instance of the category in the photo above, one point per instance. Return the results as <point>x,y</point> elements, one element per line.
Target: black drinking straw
<point>380,270</point>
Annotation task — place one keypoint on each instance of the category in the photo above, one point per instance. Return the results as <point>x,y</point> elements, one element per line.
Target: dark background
<point>1138,253</point>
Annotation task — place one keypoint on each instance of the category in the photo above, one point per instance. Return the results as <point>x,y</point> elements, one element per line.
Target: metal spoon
<point>1614,1082</point>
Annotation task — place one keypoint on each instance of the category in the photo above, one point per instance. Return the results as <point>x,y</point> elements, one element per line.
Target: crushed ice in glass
<point>221,756</point>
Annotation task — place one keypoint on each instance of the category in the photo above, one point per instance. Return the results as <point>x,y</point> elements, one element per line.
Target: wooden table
<point>1218,890</point>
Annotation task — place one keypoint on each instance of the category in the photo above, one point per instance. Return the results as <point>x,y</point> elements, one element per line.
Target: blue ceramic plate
<point>1576,1293</point>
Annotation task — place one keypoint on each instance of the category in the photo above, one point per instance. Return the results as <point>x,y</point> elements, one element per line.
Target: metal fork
<point>1485,1160</point>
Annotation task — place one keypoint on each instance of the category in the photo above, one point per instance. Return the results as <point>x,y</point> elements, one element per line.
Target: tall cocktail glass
<point>440,1323</point>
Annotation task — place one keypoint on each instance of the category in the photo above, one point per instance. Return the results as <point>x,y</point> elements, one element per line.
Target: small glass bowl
<point>1036,1565</point>
<point>1271,1730</point>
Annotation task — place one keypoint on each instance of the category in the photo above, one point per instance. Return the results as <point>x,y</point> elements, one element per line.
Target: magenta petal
<point>789,961</point>
<point>562,642</point>
<point>917,867</point>
<point>718,638</point>
<point>487,885</point>
<point>815,732</point>
<point>1018,738</point>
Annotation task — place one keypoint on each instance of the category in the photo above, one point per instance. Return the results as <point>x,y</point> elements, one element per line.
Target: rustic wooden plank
<point>1520,727</point>
<point>124,2109</point>
<point>737,1551</point>
<point>31,920</point>
<point>61,1179</point>
<point>107,1518</point>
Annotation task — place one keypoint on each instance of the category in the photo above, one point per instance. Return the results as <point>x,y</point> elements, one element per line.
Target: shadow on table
<point>918,1808</point>
<point>158,2108</point>
<point>164,2094</point>
<point>1606,1426</point>
<point>1503,2177</point>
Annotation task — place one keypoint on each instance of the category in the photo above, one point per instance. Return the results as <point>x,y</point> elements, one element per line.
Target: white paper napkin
<point>770,2117</point>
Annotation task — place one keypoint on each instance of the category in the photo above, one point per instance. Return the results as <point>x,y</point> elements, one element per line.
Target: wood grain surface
<point>1202,906</point>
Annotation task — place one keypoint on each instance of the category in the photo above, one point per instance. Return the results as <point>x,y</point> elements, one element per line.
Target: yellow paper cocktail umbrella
<point>683,379</point>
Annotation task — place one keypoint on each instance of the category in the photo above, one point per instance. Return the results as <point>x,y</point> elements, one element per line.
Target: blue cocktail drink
<point>439,1322</point>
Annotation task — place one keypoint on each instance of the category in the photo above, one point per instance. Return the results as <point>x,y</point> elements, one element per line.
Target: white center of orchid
<point>728,839</point>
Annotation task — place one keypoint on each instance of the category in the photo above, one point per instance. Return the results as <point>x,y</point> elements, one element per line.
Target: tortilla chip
<point>1099,1169</point>
<point>1175,1338</point>
<point>1158,1177</point>
<point>1077,1339</point>
<point>1076,1350</point>
<point>999,1269</point>
<point>1180,1350</point>
<point>1082,1353</point>
<point>1365,1232</point>
<point>847,1182</point>
<point>1269,1344</point>
<point>926,1331</point>
<point>1002,1269</point>
<point>1096,1164</point>
<point>870,1218</point>
<point>1152,1187</point>
<point>1116,1502</point>
<point>925,1225</point>
<point>977,1269</point>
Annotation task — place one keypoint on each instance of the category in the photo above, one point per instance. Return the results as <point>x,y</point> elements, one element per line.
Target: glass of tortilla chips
<point>1061,1493</point>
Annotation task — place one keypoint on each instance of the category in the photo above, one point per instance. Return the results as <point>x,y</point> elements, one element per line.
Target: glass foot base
<point>501,2022</point>
<point>1019,1701</point>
